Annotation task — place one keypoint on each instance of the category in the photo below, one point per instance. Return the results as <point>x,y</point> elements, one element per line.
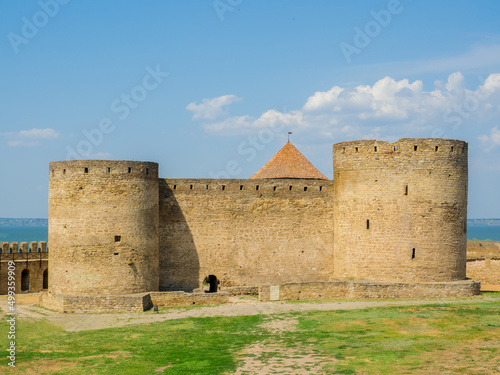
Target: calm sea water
<point>483,232</point>
<point>31,233</point>
<point>23,233</point>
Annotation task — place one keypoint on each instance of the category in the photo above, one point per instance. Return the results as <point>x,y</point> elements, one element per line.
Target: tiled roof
<point>289,163</point>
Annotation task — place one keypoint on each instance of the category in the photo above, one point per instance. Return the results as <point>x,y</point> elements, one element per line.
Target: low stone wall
<point>367,289</point>
<point>97,304</point>
<point>241,290</point>
<point>483,263</point>
<point>184,298</point>
<point>486,270</point>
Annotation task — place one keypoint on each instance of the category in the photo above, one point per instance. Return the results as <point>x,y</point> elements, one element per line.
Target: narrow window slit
<point>305,188</point>
<point>406,189</point>
<point>129,170</point>
<point>85,170</point>
<point>367,224</point>
<point>413,253</point>
<point>375,148</point>
<point>223,187</point>
<point>190,187</point>
<point>436,148</point>
<point>257,187</point>
<point>241,187</point>
<point>415,148</point>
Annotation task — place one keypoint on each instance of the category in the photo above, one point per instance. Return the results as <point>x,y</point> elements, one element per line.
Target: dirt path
<point>271,357</point>
<point>238,307</point>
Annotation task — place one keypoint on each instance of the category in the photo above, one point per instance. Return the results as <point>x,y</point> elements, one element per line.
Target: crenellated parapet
<point>29,264</point>
<point>416,152</point>
<point>23,247</point>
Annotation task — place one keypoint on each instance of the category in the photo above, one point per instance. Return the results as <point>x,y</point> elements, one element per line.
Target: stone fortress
<point>391,223</point>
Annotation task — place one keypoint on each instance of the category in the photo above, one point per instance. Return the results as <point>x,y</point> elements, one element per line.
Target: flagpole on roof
<point>289,136</point>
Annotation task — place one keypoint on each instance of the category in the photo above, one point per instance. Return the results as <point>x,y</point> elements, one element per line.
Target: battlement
<point>241,187</point>
<point>418,152</point>
<point>23,247</point>
<point>112,169</point>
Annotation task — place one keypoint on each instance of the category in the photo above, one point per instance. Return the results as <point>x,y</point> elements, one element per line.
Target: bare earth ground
<point>239,306</point>
<point>264,357</point>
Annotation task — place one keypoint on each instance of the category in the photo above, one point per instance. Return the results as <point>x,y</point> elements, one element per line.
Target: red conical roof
<point>289,163</point>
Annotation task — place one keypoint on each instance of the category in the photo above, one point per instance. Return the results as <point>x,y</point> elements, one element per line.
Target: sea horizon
<point>36,229</point>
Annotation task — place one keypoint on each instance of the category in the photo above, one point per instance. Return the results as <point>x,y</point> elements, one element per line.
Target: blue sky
<point>211,88</point>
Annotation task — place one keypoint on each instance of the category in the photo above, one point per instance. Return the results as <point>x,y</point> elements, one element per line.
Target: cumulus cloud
<point>211,109</point>
<point>247,124</point>
<point>492,140</point>
<point>30,138</point>
<point>387,109</point>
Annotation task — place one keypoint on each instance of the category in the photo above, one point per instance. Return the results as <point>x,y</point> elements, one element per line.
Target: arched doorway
<point>25,280</point>
<point>214,283</point>
<point>46,279</point>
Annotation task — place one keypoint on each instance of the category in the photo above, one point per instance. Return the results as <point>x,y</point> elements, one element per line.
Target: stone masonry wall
<point>367,289</point>
<point>245,232</point>
<point>31,257</point>
<point>483,261</point>
<point>400,210</point>
<point>103,227</point>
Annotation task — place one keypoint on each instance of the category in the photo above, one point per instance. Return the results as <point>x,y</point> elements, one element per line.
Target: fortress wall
<point>245,232</point>
<point>357,289</point>
<point>391,198</point>
<point>483,261</point>
<point>103,227</point>
<point>31,256</point>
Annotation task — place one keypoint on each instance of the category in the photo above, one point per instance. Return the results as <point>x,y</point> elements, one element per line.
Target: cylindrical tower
<point>103,227</point>
<point>400,210</point>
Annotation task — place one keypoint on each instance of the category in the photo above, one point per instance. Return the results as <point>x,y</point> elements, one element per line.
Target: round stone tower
<point>400,210</point>
<point>103,227</point>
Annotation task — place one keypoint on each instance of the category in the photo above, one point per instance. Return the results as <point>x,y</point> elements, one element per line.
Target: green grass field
<point>457,338</point>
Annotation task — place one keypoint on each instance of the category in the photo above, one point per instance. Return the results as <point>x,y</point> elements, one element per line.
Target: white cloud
<point>22,143</point>
<point>29,138</point>
<point>492,140</point>
<point>247,124</point>
<point>386,110</point>
<point>211,109</point>
<point>46,133</point>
